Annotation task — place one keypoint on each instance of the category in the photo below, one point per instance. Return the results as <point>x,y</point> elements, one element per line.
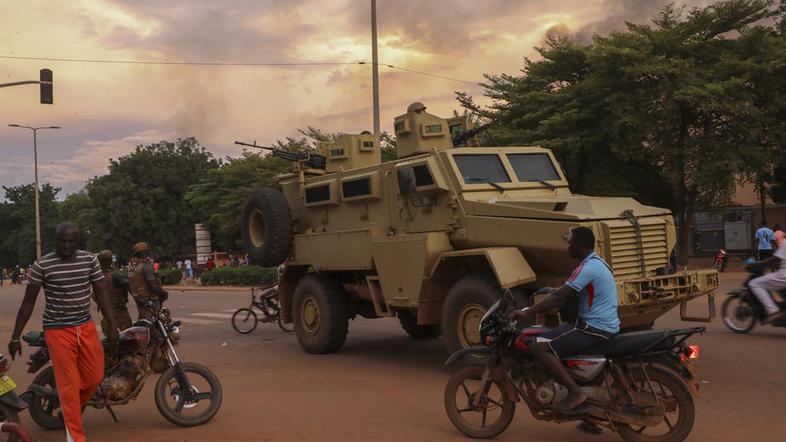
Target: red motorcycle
<point>720,260</point>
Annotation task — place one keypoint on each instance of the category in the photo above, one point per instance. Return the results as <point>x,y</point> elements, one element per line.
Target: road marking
<point>213,315</point>
<point>200,321</point>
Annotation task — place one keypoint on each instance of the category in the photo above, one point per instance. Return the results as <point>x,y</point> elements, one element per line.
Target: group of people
<point>71,278</point>
<point>15,275</point>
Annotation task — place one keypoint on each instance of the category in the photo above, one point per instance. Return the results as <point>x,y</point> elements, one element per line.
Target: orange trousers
<point>78,363</point>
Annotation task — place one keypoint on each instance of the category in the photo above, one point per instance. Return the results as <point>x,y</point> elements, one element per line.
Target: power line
<point>428,74</point>
<point>181,63</point>
<point>231,64</point>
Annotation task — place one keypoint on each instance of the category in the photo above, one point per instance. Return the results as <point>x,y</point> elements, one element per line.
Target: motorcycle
<point>10,406</point>
<point>186,394</point>
<point>720,260</point>
<point>742,309</point>
<point>639,384</point>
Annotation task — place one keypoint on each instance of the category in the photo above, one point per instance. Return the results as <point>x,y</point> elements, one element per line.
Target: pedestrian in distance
<point>764,239</point>
<point>67,276</point>
<point>189,268</point>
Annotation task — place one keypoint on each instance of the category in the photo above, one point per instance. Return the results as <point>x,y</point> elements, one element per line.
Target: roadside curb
<point>207,288</point>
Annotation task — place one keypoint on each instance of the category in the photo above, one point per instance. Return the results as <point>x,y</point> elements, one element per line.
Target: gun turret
<point>311,160</point>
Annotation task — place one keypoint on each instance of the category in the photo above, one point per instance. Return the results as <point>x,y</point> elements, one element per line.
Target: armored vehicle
<point>435,236</point>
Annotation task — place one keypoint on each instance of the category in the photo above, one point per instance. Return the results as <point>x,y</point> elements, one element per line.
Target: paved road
<point>384,386</point>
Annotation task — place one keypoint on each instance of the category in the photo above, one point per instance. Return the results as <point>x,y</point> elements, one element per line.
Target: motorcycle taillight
<point>3,364</point>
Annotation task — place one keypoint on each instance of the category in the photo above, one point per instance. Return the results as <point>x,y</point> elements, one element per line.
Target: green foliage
<point>171,276</point>
<point>251,275</point>
<point>143,198</point>
<point>17,222</point>
<point>219,197</point>
<point>699,96</point>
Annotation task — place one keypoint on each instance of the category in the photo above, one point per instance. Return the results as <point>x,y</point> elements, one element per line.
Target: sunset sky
<point>107,109</point>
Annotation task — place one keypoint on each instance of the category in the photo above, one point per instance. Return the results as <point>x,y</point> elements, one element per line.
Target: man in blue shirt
<point>593,282</point>
<point>764,237</point>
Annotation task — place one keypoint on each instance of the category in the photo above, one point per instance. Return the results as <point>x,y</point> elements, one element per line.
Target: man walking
<point>71,337</point>
<point>764,238</point>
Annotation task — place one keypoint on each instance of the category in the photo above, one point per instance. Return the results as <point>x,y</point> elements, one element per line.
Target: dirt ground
<point>385,386</point>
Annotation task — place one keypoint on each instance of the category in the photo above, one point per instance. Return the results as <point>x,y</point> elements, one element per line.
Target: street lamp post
<point>37,203</point>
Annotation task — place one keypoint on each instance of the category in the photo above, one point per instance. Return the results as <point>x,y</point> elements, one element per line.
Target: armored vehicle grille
<point>626,250</point>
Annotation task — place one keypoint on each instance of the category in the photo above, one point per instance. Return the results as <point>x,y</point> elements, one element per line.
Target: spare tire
<point>267,227</point>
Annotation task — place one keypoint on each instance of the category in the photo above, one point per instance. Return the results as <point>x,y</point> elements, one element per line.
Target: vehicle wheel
<point>738,314</point>
<point>46,412</point>
<point>321,314</point>
<point>680,412</point>
<point>492,414</point>
<point>466,303</point>
<point>289,328</point>
<point>267,227</point>
<point>244,320</point>
<point>7,416</point>
<point>196,406</point>
<point>409,322</point>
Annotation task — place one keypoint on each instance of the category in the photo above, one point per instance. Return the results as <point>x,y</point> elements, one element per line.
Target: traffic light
<point>46,87</point>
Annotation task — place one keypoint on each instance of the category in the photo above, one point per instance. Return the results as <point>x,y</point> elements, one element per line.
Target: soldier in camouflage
<point>145,286</point>
<point>117,287</point>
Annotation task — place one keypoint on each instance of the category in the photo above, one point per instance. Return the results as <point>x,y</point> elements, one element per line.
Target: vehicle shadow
<point>401,351</point>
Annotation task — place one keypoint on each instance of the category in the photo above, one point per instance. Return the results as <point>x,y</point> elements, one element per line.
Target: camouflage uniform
<point>117,289</point>
<point>141,290</point>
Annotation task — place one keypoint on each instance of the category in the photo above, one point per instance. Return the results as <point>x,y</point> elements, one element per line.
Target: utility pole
<point>375,73</point>
<point>37,198</point>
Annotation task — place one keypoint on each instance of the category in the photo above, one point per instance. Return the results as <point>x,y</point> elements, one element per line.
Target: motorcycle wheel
<point>244,320</point>
<point>465,384</point>
<point>46,412</point>
<point>188,410</point>
<point>9,415</point>
<point>738,314</point>
<point>680,412</point>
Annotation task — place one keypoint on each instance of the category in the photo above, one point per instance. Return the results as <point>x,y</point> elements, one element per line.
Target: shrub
<point>251,275</point>
<point>171,276</point>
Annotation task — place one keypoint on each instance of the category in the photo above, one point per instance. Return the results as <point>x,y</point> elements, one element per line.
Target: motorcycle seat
<point>625,344</point>
<point>34,338</point>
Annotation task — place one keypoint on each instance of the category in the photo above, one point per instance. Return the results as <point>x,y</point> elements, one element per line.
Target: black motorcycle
<point>186,394</point>
<point>742,309</point>
<point>639,384</point>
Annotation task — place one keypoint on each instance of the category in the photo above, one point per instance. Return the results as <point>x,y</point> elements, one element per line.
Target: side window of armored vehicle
<point>481,168</point>
<point>356,188</point>
<point>412,178</point>
<point>533,167</point>
<point>318,194</point>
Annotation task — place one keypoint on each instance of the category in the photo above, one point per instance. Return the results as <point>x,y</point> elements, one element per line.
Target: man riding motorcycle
<point>762,286</point>
<point>145,287</point>
<point>593,282</point>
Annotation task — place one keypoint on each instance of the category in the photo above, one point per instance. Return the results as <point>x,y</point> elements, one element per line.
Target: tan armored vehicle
<point>435,236</point>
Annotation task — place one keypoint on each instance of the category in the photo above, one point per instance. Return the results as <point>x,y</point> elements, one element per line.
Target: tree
<point>143,198</point>
<point>17,222</point>
<point>656,109</point>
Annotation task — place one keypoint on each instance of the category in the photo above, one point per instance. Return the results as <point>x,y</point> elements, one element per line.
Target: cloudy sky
<point>107,109</point>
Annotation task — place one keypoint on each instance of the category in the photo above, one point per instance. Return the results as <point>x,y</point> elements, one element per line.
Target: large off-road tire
<point>266,224</point>
<point>203,382</point>
<point>466,303</point>
<point>671,389</point>
<point>409,322</point>
<point>320,314</point>
<point>46,412</point>
<point>10,416</point>
<point>461,387</point>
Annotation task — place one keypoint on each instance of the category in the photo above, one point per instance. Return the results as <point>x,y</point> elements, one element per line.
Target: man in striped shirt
<point>67,275</point>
